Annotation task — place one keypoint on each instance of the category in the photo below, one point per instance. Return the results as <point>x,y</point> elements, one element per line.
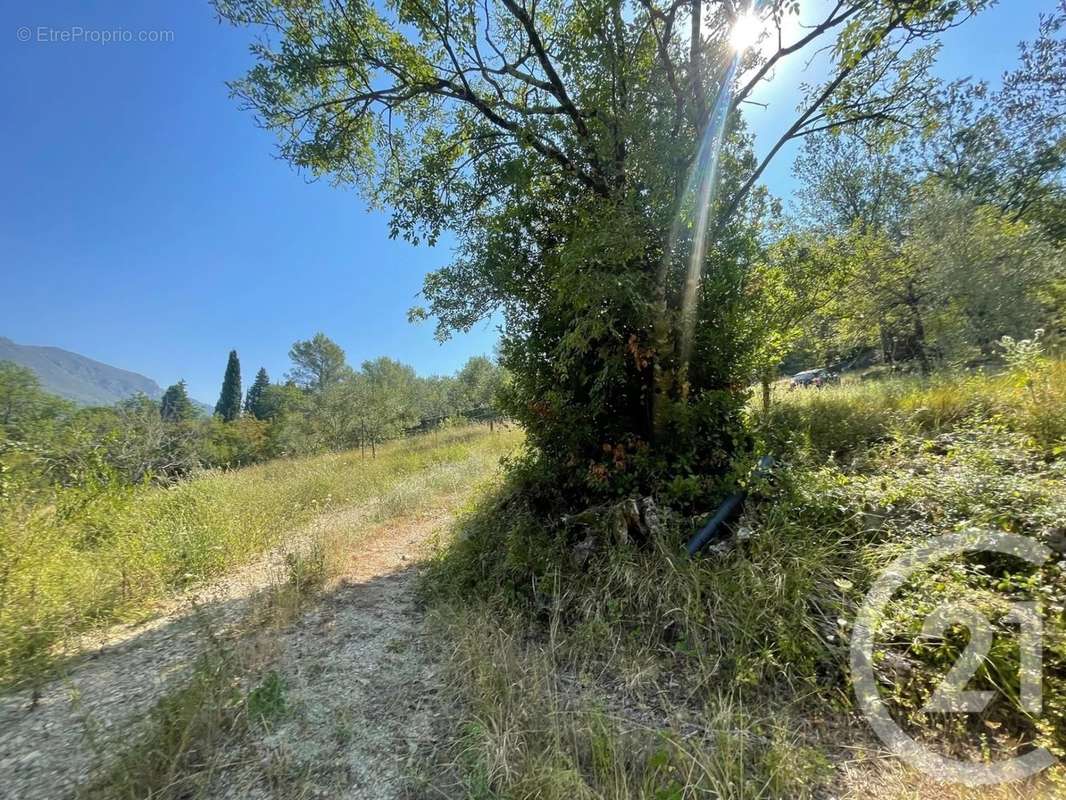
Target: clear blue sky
<point>145,221</point>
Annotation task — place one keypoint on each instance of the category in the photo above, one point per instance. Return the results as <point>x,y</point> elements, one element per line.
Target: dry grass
<point>195,732</point>
<point>637,672</point>
<point>67,567</point>
<point>854,414</point>
<point>886,779</point>
<point>535,729</point>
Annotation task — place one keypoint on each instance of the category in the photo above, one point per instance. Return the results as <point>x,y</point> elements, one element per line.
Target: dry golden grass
<point>67,568</point>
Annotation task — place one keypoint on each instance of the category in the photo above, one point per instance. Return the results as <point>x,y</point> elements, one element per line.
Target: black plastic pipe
<point>729,507</point>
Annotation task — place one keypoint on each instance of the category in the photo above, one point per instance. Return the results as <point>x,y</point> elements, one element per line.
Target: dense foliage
<point>175,405</point>
<point>46,442</point>
<point>938,243</point>
<point>593,163</point>
<point>253,401</point>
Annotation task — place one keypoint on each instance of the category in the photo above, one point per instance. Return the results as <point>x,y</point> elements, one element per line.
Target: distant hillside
<point>76,377</point>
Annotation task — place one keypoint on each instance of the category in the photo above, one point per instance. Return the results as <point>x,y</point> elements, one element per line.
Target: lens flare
<point>746,31</point>
<point>699,200</point>
<point>692,229</point>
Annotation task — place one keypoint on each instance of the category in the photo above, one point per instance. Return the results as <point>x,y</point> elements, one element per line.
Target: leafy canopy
<point>558,140</point>
<point>317,363</point>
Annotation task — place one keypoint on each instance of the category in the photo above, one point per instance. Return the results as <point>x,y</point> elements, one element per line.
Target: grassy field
<point>638,672</point>
<point>88,558</point>
<point>630,670</point>
<point>856,413</point>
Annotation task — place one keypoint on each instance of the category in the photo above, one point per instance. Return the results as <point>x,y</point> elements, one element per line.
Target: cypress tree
<point>229,401</point>
<point>253,403</point>
<point>175,406</point>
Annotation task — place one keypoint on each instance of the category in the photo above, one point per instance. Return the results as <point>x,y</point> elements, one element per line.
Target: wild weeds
<point>1029,398</point>
<point>176,755</point>
<point>64,570</point>
<point>536,729</point>
<point>556,643</point>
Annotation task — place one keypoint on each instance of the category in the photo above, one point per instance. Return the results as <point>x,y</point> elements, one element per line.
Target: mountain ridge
<point>79,378</point>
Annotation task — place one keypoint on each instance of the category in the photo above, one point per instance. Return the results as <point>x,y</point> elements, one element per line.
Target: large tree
<point>983,274</point>
<point>1007,147</point>
<point>477,385</point>
<point>175,405</point>
<point>859,188</point>
<point>591,160</point>
<point>847,181</point>
<point>943,262</point>
<point>389,392</point>
<point>317,363</point>
<point>229,400</point>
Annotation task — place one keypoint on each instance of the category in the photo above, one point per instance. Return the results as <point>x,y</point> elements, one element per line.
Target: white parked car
<point>812,377</point>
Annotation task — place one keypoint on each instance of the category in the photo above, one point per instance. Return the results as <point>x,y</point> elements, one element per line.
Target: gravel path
<point>348,665</point>
<point>110,684</point>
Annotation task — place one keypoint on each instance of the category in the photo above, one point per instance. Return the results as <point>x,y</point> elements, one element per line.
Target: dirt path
<point>361,686</point>
<point>357,675</point>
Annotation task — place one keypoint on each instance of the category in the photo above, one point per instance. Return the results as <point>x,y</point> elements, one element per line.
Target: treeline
<point>924,249</point>
<point>322,404</point>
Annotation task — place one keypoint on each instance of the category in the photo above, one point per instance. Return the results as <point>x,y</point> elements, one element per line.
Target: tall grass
<point>854,414</point>
<point>533,729</point>
<point>577,669</point>
<point>81,561</point>
<point>642,673</point>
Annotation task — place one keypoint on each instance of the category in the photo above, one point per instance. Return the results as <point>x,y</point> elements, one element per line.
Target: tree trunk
<point>694,53</point>
<point>886,344</point>
<point>919,342</point>
<point>918,329</point>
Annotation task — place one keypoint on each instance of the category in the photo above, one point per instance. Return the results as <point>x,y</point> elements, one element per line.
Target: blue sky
<point>145,221</point>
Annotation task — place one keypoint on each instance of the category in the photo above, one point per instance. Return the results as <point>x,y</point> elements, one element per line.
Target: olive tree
<point>985,274</point>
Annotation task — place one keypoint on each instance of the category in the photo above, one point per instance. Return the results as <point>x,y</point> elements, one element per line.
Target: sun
<point>746,31</point>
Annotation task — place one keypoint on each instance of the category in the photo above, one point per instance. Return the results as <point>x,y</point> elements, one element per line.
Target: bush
<point>621,622</point>
<point>239,443</point>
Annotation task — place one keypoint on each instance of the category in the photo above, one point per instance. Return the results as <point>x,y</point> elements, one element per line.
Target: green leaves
<point>555,140</point>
